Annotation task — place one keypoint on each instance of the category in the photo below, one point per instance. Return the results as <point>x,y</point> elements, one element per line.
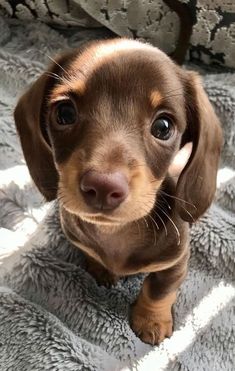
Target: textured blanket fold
<point>53,315</point>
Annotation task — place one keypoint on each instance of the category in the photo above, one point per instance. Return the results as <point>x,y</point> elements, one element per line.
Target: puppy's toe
<point>149,327</point>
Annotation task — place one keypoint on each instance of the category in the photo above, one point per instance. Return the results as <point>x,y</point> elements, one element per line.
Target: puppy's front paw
<point>150,327</point>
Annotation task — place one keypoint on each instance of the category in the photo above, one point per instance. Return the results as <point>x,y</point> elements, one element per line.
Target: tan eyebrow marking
<point>155,98</point>
<point>63,90</point>
<point>58,98</point>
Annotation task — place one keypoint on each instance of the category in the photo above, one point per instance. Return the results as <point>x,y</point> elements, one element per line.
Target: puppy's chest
<point>125,252</point>
<point>113,251</point>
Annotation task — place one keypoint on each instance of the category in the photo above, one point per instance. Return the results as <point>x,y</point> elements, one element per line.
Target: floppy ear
<point>197,182</point>
<point>37,152</point>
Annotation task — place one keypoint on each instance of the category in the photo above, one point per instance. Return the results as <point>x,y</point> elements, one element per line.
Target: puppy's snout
<point>104,191</point>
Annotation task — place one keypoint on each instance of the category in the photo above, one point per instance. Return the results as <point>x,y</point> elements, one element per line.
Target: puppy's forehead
<point>118,61</point>
<point>111,48</point>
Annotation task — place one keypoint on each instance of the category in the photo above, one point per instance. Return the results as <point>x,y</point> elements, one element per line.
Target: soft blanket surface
<point>53,315</point>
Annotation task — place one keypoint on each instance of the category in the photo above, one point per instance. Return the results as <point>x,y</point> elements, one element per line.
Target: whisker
<point>154,221</point>
<point>169,218</point>
<point>177,198</point>
<point>53,75</point>
<point>139,230</point>
<point>53,60</point>
<point>164,200</point>
<point>154,232</point>
<point>169,207</point>
<point>164,225</point>
<point>193,220</point>
<point>146,222</point>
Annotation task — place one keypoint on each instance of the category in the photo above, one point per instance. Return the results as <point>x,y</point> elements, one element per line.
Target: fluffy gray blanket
<point>53,315</point>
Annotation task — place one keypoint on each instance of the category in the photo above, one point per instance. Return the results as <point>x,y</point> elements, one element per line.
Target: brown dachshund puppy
<point>129,144</point>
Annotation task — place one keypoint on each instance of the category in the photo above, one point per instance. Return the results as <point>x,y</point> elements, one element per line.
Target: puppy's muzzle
<point>104,191</point>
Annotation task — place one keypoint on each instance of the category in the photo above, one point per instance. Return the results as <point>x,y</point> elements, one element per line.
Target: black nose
<point>104,191</point>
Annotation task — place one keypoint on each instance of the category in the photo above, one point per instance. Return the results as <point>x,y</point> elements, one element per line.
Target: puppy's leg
<point>151,314</point>
<point>103,276</point>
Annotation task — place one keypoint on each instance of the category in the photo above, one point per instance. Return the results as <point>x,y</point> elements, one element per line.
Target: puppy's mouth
<point>107,198</point>
<point>127,212</point>
<point>105,218</point>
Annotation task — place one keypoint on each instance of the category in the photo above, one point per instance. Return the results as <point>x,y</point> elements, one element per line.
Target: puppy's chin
<point>112,218</point>
<point>101,219</point>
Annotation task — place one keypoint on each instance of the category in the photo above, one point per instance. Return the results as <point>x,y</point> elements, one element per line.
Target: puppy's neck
<point>117,247</point>
<point>108,230</point>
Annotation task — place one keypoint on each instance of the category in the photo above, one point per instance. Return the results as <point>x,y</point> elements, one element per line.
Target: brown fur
<point>152,319</point>
<point>118,87</point>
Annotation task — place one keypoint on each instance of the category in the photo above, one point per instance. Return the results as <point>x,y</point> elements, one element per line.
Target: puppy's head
<point>104,127</point>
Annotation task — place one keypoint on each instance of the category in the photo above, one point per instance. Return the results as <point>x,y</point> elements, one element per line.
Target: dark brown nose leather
<point>104,191</point>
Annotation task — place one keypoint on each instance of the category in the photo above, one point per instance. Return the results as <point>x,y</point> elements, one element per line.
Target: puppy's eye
<point>66,113</point>
<point>162,128</point>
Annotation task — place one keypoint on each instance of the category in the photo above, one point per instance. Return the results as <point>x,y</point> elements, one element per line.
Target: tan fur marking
<point>155,98</point>
<point>64,90</point>
<point>162,306</point>
<point>99,54</point>
<point>59,98</point>
<point>141,181</point>
<point>152,320</point>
